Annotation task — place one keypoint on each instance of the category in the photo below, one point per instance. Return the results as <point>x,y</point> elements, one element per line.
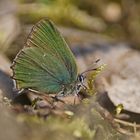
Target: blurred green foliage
<point>86,124</point>
<point>118,19</point>
<point>46,1</point>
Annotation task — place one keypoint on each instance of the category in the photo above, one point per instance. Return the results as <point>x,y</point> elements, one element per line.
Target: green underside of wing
<point>43,73</point>
<point>46,63</point>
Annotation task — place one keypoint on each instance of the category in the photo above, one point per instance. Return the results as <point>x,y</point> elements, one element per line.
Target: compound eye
<point>80,78</point>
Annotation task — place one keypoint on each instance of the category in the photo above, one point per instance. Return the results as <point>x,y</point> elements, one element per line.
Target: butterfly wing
<point>46,63</point>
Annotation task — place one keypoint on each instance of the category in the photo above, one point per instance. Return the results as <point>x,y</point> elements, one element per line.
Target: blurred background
<point>115,19</point>
<point>80,21</point>
<point>105,29</point>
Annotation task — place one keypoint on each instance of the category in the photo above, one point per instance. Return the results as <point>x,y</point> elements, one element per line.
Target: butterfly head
<point>80,82</point>
<point>80,78</point>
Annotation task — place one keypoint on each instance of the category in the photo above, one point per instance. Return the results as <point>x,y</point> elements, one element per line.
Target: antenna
<point>92,69</point>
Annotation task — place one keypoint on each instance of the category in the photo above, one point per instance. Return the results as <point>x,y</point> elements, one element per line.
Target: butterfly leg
<point>76,95</point>
<point>85,87</point>
<point>57,99</point>
<point>58,96</point>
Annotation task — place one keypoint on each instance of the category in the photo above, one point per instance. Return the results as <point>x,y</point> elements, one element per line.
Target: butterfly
<point>46,64</point>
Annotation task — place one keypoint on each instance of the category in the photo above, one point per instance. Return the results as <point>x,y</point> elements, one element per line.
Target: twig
<point>127,123</point>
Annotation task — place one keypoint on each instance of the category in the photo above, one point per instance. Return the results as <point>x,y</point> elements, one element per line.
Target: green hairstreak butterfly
<point>46,63</point>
